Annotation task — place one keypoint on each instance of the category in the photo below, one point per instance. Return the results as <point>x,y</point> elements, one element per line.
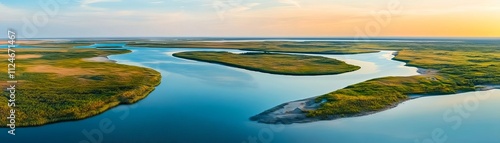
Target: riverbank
<point>300,111</point>
<point>270,46</point>
<point>459,71</point>
<point>274,63</point>
<point>297,112</point>
<point>99,59</point>
<point>73,84</point>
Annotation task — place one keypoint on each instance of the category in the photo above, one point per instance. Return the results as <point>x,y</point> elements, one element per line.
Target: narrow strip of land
<point>460,68</point>
<point>271,46</point>
<point>285,64</point>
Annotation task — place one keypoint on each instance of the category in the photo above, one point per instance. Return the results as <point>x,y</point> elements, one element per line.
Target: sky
<point>251,18</point>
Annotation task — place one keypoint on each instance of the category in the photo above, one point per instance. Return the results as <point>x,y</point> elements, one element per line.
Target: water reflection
<point>203,102</point>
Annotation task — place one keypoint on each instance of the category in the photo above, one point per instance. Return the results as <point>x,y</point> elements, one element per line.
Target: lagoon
<point>203,102</point>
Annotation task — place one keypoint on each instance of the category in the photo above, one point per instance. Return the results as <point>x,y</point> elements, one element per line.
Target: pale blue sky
<point>176,18</point>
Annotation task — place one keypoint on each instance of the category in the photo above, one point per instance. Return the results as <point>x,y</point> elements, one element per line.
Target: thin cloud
<point>290,2</point>
<point>87,3</point>
<point>227,7</point>
<point>244,7</point>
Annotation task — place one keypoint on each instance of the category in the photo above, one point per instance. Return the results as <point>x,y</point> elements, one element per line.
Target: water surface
<point>201,102</point>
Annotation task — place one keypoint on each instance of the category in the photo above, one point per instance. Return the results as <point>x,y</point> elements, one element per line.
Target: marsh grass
<point>272,46</point>
<point>46,96</point>
<point>461,66</point>
<point>285,64</point>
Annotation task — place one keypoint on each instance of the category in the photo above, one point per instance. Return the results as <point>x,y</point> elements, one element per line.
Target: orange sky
<point>467,20</point>
<point>261,18</point>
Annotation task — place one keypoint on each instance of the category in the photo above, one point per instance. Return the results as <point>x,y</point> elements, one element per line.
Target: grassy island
<point>461,68</point>
<point>274,63</point>
<point>456,67</point>
<point>57,84</point>
<point>316,47</point>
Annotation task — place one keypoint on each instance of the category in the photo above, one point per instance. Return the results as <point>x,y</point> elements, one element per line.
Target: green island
<point>49,74</point>
<point>285,64</point>
<point>449,67</point>
<point>271,46</point>
<point>63,83</point>
<point>460,70</point>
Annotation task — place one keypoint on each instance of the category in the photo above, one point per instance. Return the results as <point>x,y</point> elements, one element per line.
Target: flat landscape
<point>59,84</point>
<point>270,46</point>
<point>259,71</point>
<point>456,67</point>
<point>274,63</point>
<point>459,66</point>
<point>74,81</point>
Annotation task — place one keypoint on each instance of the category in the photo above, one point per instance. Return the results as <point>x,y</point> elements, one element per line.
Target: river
<point>201,102</point>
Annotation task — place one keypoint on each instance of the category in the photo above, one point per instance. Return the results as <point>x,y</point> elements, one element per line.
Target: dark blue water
<point>200,102</point>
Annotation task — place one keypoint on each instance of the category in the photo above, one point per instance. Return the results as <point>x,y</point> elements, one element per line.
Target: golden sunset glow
<point>325,18</point>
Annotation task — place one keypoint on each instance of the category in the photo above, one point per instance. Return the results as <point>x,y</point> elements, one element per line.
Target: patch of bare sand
<point>28,56</point>
<point>99,59</point>
<point>58,70</point>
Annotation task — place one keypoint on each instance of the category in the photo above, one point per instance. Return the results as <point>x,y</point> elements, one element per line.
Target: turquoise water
<point>200,102</point>
<point>16,46</point>
<point>104,45</point>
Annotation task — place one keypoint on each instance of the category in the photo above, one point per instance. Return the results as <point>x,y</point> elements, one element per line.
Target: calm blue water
<point>106,45</point>
<point>17,46</point>
<point>200,102</point>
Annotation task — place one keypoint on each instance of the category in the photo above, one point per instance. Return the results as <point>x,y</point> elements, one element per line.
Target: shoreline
<point>146,91</point>
<point>296,111</point>
<point>267,71</point>
<point>102,58</point>
<point>109,106</point>
<point>272,116</point>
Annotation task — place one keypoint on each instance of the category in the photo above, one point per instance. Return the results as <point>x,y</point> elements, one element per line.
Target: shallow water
<point>16,46</point>
<point>201,102</point>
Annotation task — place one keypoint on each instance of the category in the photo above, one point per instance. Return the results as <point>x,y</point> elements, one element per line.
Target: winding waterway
<point>201,102</point>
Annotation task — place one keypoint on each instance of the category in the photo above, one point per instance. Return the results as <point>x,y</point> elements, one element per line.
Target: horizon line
<point>270,37</point>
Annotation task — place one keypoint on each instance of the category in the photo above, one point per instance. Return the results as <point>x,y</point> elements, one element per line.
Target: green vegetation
<point>461,68</point>
<point>272,46</point>
<point>50,44</point>
<point>48,93</point>
<point>382,93</point>
<point>57,85</point>
<point>273,63</point>
<point>479,67</point>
